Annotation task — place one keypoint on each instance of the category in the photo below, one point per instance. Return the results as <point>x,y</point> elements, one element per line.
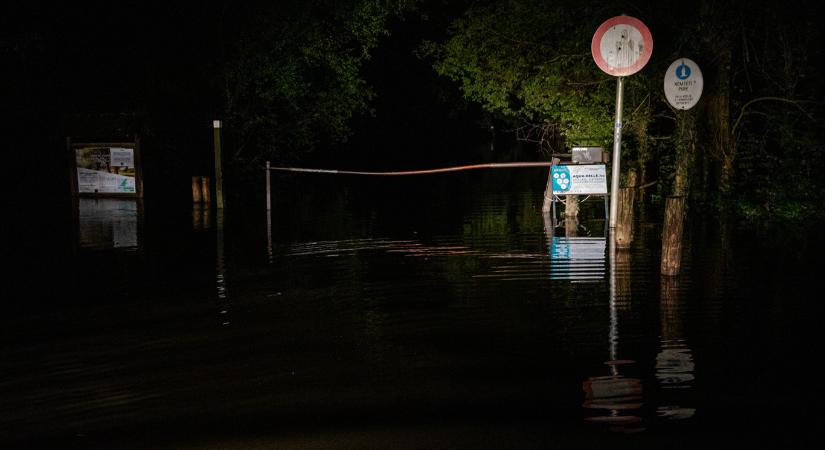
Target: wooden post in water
<point>268,198</point>
<point>571,206</point>
<point>205,192</point>
<point>571,226</point>
<point>216,126</point>
<point>548,190</point>
<point>624,225</point>
<point>196,190</point>
<point>672,231</point>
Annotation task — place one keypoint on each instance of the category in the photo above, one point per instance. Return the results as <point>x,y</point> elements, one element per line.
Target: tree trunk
<point>624,225</point>
<point>571,226</point>
<point>196,190</point>
<point>672,232</point>
<point>571,206</point>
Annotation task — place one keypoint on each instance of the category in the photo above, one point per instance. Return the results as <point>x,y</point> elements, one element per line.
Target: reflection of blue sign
<point>577,259</point>
<point>561,179</point>
<point>682,71</point>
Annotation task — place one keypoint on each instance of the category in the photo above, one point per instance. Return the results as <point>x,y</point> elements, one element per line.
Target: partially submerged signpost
<point>683,85</point>
<point>621,46</point>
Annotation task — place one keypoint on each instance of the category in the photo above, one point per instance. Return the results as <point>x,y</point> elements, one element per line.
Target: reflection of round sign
<point>622,45</point>
<point>683,84</point>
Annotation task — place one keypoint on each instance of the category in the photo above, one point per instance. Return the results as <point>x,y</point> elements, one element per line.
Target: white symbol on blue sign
<point>682,71</point>
<point>561,179</point>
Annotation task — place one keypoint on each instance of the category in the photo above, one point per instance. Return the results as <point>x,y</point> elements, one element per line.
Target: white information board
<point>106,169</point>
<point>579,179</point>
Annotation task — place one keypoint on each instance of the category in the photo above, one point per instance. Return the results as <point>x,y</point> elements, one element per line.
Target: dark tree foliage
<point>292,79</point>
<point>755,139</point>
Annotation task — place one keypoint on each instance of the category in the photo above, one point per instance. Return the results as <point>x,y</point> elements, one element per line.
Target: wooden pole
<point>571,206</point>
<point>196,190</point>
<point>268,195</point>
<point>547,206</point>
<point>624,221</point>
<point>624,225</point>
<point>216,126</point>
<point>548,195</point>
<point>672,231</point>
<point>205,191</point>
<point>571,226</point>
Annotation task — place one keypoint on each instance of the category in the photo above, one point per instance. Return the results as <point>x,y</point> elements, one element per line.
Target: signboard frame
<point>98,157</point>
<point>561,171</point>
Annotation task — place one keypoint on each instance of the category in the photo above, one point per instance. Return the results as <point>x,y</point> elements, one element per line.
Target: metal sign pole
<point>617,150</point>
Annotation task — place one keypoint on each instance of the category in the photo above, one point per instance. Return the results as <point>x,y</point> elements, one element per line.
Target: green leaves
<point>526,61</point>
<point>294,81</point>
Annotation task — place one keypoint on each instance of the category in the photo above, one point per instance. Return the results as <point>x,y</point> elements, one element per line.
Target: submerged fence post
<point>196,190</point>
<point>627,197</point>
<point>672,231</point>
<point>571,206</point>
<point>205,190</point>
<point>624,228</point>
<point>549,201</point>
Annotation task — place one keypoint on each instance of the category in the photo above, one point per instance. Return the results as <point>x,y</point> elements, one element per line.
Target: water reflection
<point>615,399</point>
<point>342,317</point>
<point>572,257</point>
<point>220,268</point>
<point>109,223</point>
<point>674,363</point>
<point>201,216</point>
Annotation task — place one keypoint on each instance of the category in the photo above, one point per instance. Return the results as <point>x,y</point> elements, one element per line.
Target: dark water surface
<point>435,312</point>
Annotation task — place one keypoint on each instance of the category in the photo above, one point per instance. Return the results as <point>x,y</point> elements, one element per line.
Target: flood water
<point>442,311</point>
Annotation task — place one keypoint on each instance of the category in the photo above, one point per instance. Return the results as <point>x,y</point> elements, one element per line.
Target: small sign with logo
<point>683,84</point>
<point>579,179</point>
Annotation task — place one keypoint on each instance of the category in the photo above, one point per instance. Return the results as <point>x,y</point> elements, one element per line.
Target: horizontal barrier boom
<point>416,172</point>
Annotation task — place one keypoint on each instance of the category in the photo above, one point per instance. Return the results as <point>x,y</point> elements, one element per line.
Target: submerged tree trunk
<point>675,206</point>
<point>571,206</point>
<point>672,232</point>
<point>624,225</point>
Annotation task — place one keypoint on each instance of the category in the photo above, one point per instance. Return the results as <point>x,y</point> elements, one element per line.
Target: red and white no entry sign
<point>622,45</point>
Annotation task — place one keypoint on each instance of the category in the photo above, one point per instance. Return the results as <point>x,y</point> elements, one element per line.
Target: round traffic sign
<point>622,45</point>
<point>683,84</point>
